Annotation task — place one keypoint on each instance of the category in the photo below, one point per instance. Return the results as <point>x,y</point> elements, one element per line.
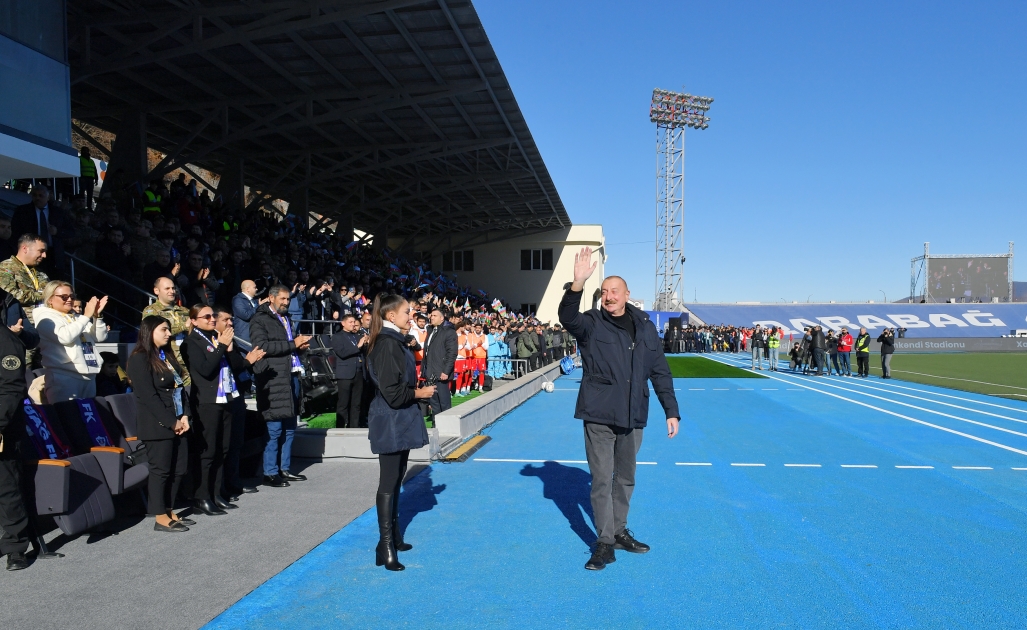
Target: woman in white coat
<point>66,340</point>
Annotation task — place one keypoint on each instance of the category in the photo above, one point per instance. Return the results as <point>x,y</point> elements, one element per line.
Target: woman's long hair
<point>383,304</point>
<point>146,347</point>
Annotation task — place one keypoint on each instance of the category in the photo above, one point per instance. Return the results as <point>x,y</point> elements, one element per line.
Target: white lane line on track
<point>802,466</point>
<point>742,389</point>
<point>720,389</point>
<point>696,389</point>
<point>963,398</point>
<point>646,463</point>
<point>935,402</point>
<point>859,465</point>
<point>896,402</point>
<point>747,465</point>
<point>693,463</point>
<point>916,467</point>
<point>531,461</point>
<point>768,389</point>
<point>899,415</point>
<point>1020,469</point>
<point>972,468</point>
<point>931,411</point>
<point>790,389</point>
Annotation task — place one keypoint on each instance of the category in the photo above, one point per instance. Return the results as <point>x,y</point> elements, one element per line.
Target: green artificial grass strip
<point>993,373</point>
<point>327,420</point>
<point>701,367</point>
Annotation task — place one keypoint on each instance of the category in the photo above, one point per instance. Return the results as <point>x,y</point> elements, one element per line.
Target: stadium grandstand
<point>291,280</point>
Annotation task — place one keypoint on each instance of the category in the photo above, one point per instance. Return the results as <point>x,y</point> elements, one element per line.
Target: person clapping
<point>67,340</point>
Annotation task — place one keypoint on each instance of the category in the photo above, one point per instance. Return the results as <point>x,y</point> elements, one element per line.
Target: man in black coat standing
<point>349,347</point>
<point>620,353</point>
<point>278,384</point>
<point>439,357</point>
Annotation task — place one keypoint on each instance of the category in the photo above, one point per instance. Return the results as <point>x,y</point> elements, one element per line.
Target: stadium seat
<point>72,489</point>
<point>123,474</point>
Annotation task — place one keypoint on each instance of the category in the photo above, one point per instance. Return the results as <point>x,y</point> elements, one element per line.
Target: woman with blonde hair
<point>66,341</point>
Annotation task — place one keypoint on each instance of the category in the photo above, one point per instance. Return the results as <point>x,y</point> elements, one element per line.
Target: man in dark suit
<point>439,357</point>
<point>349,347</point>
<point>43,218</point>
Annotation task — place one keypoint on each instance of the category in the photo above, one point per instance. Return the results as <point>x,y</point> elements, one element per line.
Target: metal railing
<point>112,314</point>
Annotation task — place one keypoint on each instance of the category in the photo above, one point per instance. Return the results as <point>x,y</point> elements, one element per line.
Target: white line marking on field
<point>802,465</point>
<point>1020,469</point>
<point>916,467</point>
<point>696,389</point>
<point>720,389</point>
<point>937,402</point>
<point>769,389</point>
<point>791,389</point>
<point>972,468</point>
<point>693,464</point>
<point>859,465</point>
<point>744,390</point>
<point>733,464</point>
<point>979,402</point>
<point>531,461</point>
<point>899,415</point>
<point>646,463</point>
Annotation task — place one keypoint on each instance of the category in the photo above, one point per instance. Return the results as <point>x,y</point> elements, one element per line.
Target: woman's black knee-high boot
<point>385,553</point>
<point>397,533</point>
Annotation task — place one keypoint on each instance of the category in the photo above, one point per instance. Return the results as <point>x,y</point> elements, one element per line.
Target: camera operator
<point>887,341</point>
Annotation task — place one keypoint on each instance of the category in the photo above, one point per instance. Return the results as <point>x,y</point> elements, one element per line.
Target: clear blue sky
<point>842,136</point>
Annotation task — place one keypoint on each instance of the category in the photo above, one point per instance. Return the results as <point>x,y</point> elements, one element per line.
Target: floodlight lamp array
<point>677,109</point>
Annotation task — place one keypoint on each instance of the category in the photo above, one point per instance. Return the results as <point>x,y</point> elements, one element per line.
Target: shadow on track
<point>418,495</point>
<point>569,488</point>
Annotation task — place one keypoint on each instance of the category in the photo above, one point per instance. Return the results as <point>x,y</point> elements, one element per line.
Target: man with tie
<point>39,217</point>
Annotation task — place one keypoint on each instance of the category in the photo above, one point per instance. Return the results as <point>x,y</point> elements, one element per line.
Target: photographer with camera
<point>887,341</point>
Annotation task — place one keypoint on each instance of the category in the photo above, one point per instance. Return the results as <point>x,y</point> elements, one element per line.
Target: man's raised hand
<point>583,268</point>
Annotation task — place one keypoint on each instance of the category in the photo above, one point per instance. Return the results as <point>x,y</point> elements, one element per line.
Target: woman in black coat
<point>162,418</point>
<point>394,422</point>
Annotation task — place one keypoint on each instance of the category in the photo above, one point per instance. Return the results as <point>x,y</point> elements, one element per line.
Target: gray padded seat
<point>120,476</point>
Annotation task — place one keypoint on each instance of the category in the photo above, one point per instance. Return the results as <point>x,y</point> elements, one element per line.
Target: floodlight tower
<point>672,112</point>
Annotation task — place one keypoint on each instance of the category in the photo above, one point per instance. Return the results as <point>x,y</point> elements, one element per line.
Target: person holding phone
<point>162,419</point>
<point>395,424</point>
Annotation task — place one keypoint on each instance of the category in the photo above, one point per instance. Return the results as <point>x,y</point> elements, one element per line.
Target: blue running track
<point>790,501</point>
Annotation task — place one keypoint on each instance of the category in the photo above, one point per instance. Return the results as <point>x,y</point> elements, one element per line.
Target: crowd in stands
<point>241,301</point>
<point>816,352</point>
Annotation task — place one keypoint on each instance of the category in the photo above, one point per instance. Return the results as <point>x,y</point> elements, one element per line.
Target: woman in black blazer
<point>394,422</point>
<point>162,418</point>
<point>207,354</point>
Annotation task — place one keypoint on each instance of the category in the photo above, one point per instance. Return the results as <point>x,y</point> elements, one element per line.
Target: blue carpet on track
<point>503,543</point>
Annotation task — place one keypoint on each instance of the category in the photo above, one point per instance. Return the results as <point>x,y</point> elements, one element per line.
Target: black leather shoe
<point>233,497</point>
<point>185,521</point>
<point>601,556</point>
<point>206,506</point>
<point>288,476</point>
<point>628,543</point>
<point>249,489</point>
<point>17,562</point>
<point>275,481</point>
<point>174,528</point>
<point>224,505</point>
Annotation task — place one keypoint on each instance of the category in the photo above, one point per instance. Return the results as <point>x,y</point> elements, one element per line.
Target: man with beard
<point>278,385</point>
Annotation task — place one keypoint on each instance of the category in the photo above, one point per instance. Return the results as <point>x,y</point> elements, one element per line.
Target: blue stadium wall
<point>920,320</point>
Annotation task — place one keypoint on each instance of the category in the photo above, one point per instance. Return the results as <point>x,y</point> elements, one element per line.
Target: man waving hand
<point>620,353</point>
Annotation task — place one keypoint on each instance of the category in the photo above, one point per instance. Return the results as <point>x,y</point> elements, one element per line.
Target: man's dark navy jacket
<point>349,357</point>
<point>615,385</point>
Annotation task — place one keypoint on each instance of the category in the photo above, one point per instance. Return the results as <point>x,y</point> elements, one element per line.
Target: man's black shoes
<point>275,481</point>
<point>288,476</point>
<point>628,543</point>
<point>602,556</point>
<point>17,562</point>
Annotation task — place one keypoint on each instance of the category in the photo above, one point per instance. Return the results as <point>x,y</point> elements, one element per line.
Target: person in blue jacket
<point>621,353</point>
<point>394,421</point>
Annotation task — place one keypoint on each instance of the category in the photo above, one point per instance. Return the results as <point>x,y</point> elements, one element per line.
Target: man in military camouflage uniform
<point>177,315</point>
<point>20,276</point>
